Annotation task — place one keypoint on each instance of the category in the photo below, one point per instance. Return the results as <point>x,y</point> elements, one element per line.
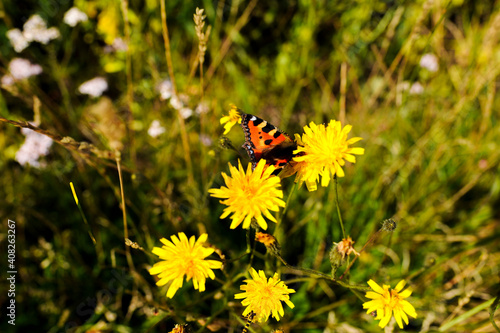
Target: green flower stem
<point>315,273</point>
<point>338,207</point>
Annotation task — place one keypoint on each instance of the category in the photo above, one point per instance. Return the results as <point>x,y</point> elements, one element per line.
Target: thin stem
<point>492,312</point>
<point>124,211</point>
<point>166,41</point>
<point>229,40</point>
<point>83,148</point>
<point>338,207</point>
<point>201,81</point>
<point>280,218</point>
<point>130,87</point>
<point>58,73</point>
<point>168,56</point>
<point>315,273</point>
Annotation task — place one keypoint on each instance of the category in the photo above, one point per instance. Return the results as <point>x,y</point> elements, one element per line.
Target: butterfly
<point>265,141</point>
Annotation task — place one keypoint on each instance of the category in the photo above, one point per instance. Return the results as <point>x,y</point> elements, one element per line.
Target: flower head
<point>182,257</point>
<point>35,29</point>
<point>20,69</point>
<point>35,146</point>
<point>73,16</point>
<point>386,302</point>
<point>17,40</point>
<point>250,195</point>
<point>166,89</point>
<point>346,247</point>
<point>263,296</point>
<point>155,129</point>
<point>322,151</point>
<point>94,87</point>
<point>430,62</point>
<point>231,119</point>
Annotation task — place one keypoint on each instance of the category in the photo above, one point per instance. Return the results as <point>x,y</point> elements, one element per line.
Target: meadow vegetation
<point>417,80</point>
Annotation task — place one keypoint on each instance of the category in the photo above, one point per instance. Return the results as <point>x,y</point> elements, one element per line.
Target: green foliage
<point>431,160</point>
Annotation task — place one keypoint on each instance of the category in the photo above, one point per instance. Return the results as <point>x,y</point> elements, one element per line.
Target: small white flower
<point>176,103</point>
<point>94,87</point>
<point>17,40</point>
<point>35,29</point>
<point>20,69</point>
<point>165,89</point>
<point>7,80</point>
<point>155,129</point>
<point>202,108</point>
<point>430,62</point>
<point>35,146</point>
<point>416,89</point>
<point>186,112</point>
<point>74,16</point>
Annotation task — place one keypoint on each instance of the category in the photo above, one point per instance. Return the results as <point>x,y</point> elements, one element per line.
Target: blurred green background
<point>417,80</point>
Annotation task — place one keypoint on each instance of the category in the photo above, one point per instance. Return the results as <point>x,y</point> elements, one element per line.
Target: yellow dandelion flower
<point>263,296</point>
<point>388,302</point>
<point>231,119</point>
<point>182,257</point>
<point>250,195</point>
<point>322,151</point>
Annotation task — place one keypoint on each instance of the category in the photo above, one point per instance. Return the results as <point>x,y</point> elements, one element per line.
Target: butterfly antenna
<point>250,318</point>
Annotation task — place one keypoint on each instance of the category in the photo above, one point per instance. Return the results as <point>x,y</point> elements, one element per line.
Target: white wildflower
<point>20,69</point>
<point>201,108</point>
<point>416,89</point>
<point>176,103</point>
<point>7,80</point>
<point>430,62</point>
<point>165,89</point>
<point>186,112</point>
<point>94,87</point>
<point>35,146</point>
<point>35,29</point>
<point>155,129</point>
<point>17,40</point>
<point>74,16</point>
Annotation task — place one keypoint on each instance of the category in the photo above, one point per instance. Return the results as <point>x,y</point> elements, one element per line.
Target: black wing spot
<point>268,142</point>
<point>260,137</point>
<point>276,135</point>
<point>257,121</point>
<point>282,164</point>
<point>268,128</point>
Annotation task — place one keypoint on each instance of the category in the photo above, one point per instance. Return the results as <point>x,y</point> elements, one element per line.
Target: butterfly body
<point>265,141</point>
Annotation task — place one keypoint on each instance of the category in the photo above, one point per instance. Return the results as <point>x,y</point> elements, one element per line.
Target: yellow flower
<point>184,257</point>
<point>387,302</point>
<point>263,296</point>
<point>231,119</point>
<point>250,195</point>
<point>179,329</point>
<point>322,151</point>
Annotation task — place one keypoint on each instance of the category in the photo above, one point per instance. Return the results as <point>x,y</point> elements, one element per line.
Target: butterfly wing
<point>265,141</point>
